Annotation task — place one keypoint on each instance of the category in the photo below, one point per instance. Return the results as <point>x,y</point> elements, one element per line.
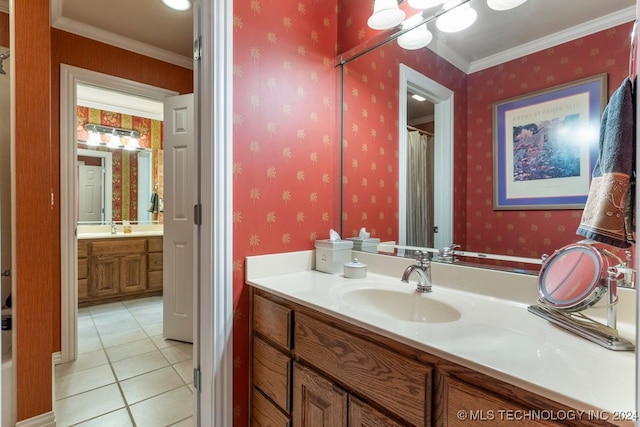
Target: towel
<point>608,213</point>
<point>153,203</point>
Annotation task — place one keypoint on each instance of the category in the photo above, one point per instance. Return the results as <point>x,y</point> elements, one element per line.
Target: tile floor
<point>126,373</point>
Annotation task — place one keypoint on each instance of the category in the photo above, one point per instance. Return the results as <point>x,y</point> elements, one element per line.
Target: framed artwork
<point>545,145</point>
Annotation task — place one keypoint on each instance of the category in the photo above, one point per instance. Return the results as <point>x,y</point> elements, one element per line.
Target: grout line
<point>117,381</point>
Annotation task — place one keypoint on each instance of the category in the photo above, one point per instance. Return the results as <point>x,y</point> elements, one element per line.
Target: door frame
<point>442,98</point>
<point>70,77</point>
<point>107,165</point>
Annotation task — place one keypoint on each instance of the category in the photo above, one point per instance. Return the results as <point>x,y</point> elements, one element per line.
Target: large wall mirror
<point>504,54</point>
<point>122,182</point>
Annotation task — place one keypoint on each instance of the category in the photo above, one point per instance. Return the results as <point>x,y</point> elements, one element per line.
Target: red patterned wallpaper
<point>370,153</point>
<point>518,232</point>
<point>285,136</point>
<point>125,164</point>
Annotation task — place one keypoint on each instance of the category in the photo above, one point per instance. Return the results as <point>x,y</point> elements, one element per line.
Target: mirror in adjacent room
<point>373,126</point>
<point>119,181</point>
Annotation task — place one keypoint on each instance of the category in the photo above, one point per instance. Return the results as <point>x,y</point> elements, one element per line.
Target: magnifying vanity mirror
<point>504,54</point>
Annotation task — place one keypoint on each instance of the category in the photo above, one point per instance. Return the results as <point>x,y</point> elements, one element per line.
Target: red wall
<point>285,171</point>
<point>518,232</point>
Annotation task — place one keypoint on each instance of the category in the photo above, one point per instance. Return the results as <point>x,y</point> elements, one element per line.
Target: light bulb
<point>417,38</point>
<point>504,4</point>
<point>386,14</point>
<point>114,141</point>
<point>178,4</point>
<point>133,143</point>
<point>94,138</point>
<point>458,19</point>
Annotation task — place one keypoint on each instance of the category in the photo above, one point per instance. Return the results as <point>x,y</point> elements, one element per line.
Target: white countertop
<point>104,231</point>
<point>494,335</point>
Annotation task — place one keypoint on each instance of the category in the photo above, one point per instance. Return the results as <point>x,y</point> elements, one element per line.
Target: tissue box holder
<point>331,256</point>
<point>365,245</point>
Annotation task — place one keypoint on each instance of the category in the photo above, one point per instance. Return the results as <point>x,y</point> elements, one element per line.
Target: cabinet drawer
<point>272,373</point>
<point>155,245</point>
<point>272,320</point>
<point>266,414</point>
<point>155,262</point>
<point>117,247</point>
<point>82,268</point>
<point>154,280</point>
<point>482,407</point>
<point>83,248</point>
<point>375,373</point>
<point>363,415</point>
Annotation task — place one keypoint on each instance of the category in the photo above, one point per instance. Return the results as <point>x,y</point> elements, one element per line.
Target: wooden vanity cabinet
<point>154,263</point>
<point>114,269</point>
<point>311,369</point>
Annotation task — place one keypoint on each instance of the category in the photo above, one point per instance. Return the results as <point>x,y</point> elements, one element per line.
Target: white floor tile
<point>185,370</point>
<point>148,318</point>
<point>119,418</point>
<point>137,365</point>
<point>153,330</point>
<point>161,342</point>
<point>165,409</point>
<point>91,404</point>
<point>117,326</point>
<point>178,353</point>
<point>82,362</point>
<point>150,384</point>
<point>123,337</point>
<point>131,349</point>
<point>89,344</point>
<point>85,380</point>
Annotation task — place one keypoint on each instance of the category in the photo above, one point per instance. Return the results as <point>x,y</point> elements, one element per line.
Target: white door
<point>179,229</point>
<point>91,193</point>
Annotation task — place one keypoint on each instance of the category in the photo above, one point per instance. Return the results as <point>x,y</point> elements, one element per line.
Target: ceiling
<point>150,28</point>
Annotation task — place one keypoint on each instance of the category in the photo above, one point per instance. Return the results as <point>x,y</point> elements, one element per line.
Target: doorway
<point>71,77</point>
<point>442,98</point>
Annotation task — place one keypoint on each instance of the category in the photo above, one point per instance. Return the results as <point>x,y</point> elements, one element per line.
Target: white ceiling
<point>150,28</point>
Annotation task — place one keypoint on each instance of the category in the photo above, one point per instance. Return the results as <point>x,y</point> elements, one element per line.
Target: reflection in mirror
<point>597,42</point>
<point>118,184</point>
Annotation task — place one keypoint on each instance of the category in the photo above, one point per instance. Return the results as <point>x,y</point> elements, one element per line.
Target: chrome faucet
<point>114,228</point>
<point>423,271</point>
<point>447,253</point>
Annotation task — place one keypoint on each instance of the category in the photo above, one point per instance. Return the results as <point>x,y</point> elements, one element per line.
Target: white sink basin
<point>401,305</point>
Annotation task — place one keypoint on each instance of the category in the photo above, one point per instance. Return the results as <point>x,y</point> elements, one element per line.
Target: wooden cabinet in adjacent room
<point>114,269</point>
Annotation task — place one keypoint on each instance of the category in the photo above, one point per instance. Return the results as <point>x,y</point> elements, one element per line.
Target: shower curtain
<point>420,189</point>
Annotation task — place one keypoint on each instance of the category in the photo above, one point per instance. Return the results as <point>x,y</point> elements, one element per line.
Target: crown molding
<point>444,52</point>
<point>91,32</point>
<point>608,21</point>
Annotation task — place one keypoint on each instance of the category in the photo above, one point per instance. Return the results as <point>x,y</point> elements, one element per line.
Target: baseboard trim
<point>47,419</point>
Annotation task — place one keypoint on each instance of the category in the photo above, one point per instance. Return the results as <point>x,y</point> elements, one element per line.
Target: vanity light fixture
<point>504,4</point>
<point>180,5</point>
<point>458,19</point>
<point>386,14</point>
<point>117,136</point>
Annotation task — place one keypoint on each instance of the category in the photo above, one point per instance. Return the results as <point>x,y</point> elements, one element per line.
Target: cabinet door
<point>317,402</point>
<point>105,276</point>
<point>133,273</point>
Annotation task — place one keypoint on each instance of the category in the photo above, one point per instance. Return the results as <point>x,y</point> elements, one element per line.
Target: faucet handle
<point>423,258</point>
